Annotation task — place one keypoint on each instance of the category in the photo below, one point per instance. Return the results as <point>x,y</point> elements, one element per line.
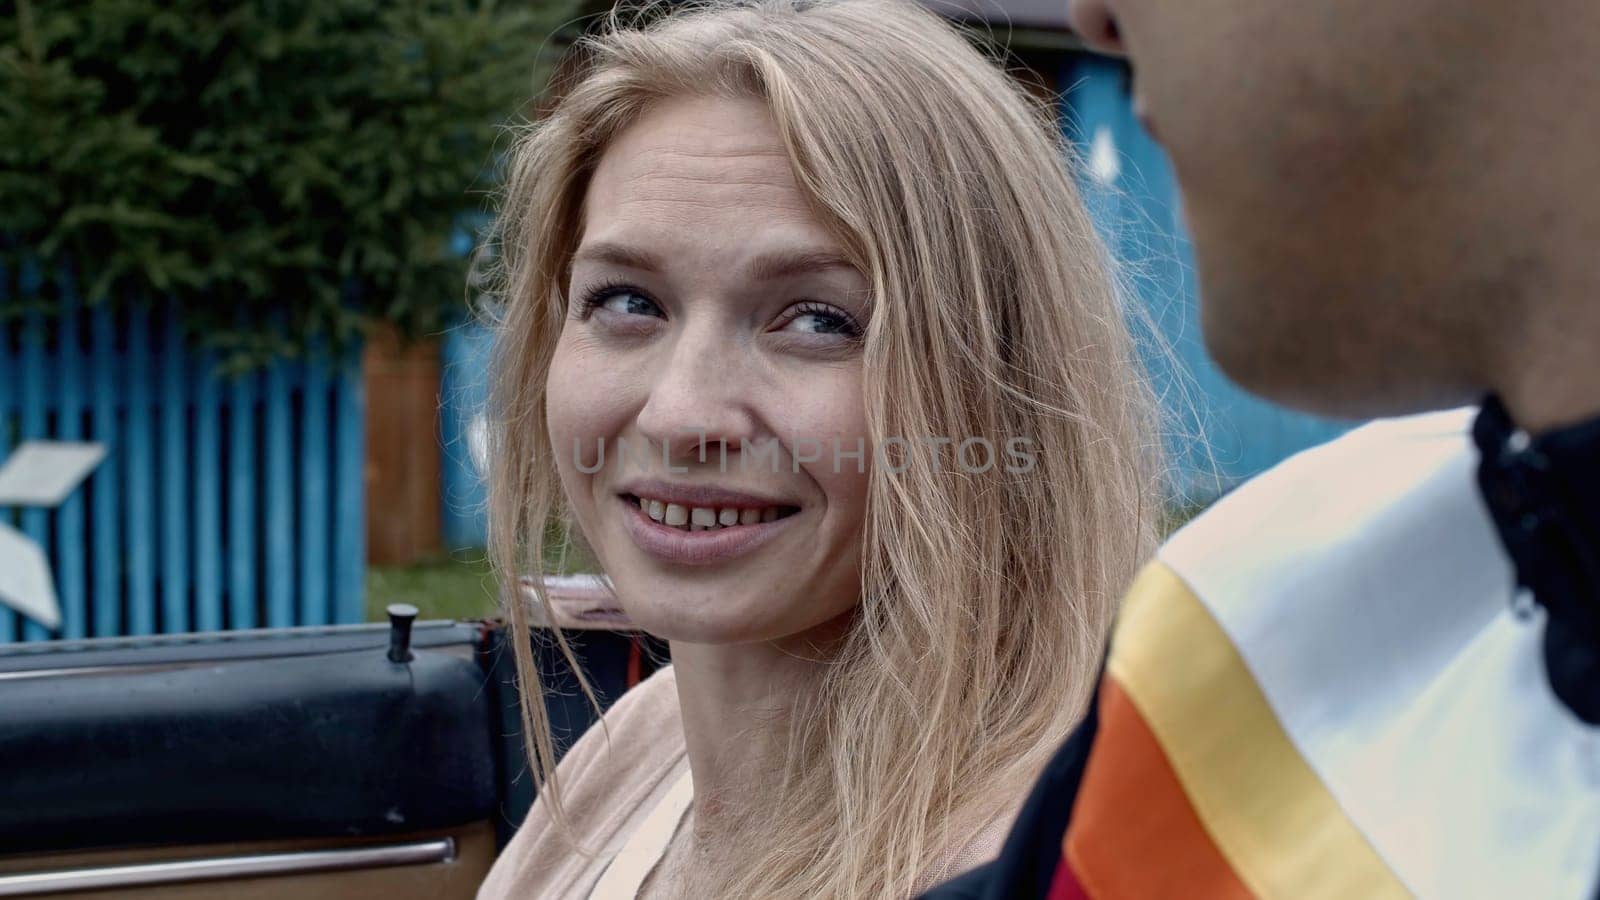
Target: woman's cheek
<point>830,417</point>
<point>581,402</point>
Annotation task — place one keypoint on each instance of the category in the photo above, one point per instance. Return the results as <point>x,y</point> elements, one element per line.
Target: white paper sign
<point>25,583</point>
<point>44,473</point>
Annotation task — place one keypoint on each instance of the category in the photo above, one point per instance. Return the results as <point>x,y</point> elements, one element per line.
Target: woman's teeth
<point>705,518</point>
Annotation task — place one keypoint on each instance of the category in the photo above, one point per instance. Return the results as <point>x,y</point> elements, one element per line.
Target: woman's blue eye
<point>819,319</point>
<point>625,301</point>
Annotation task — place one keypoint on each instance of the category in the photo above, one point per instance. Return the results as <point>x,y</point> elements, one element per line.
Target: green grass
<point>458,586</point>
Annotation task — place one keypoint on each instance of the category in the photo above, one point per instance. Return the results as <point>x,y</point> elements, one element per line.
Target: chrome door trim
<point>227,867</point>
<point>129,669</point>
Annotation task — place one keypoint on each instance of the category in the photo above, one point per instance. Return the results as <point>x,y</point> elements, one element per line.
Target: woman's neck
<point>737,702</point>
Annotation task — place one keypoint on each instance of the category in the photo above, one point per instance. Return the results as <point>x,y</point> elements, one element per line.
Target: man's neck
<point>1549,373</point>
<point>1532,186</point>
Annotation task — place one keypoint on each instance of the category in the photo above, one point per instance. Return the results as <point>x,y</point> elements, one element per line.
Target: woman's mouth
<point>707,518</point>
<point>692,535</point>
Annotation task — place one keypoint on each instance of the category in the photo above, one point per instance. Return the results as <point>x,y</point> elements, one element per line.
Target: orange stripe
<point>1270,815</point>
<point>1133,831</point>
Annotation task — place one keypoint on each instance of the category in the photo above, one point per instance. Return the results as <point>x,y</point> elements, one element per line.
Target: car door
<point>275,763</point>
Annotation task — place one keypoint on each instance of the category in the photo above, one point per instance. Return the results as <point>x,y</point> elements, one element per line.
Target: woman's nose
<point>698,400</point>
<point>1096,25</point>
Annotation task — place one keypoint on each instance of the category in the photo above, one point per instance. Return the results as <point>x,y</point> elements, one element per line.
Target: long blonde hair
<point>986,597</point>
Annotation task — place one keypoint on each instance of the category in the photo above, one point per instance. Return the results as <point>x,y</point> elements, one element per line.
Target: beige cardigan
<point>612,786</point>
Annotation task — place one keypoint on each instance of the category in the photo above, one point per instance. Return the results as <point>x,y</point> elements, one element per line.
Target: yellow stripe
<point>1270,815</point>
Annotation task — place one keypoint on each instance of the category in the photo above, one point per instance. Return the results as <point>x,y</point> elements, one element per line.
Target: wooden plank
<point>105,428</point>
<point>72,537</point>
<point>176,529</point>
<point>33,423</point>
<point>277,487</point>
<point>241,503</point>
<point>349,533</point>
<point>207,469</point>
<point>138,503</point>
<point>8,391</point>
<point>315,462</point>
<point>403,500</point>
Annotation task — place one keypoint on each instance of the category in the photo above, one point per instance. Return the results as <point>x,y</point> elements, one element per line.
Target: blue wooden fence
<point>1220,434</point>
<point>224,501</point>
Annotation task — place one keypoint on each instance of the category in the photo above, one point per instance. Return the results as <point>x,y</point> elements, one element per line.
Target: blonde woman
<point>808,335</point>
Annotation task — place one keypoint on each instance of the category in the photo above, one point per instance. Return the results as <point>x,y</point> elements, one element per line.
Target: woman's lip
<point>706,496</point>
<point>697,548</point>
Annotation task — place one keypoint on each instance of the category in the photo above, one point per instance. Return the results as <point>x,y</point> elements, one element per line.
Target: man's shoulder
<point>1348,617</point>
<point>1393,493</point>
<point>1372,466</point>
<point>1321,661</point>
<point>1367,557</point>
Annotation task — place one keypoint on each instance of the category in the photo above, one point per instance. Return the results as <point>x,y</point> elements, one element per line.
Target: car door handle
<point>227,867</point>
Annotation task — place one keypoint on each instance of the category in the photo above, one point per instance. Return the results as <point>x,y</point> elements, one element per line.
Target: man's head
<point>1379,193</point>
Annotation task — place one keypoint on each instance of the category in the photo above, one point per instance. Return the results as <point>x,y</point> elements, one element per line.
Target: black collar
<point>1544,495</point>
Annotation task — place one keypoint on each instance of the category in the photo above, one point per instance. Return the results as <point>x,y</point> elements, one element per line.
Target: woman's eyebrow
<point>765,267</point>
<point>618,255</point>
<point>785,263</point>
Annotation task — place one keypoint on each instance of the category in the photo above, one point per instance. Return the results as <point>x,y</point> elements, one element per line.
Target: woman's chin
<point>747,602</point>
<point>699,626</point>
<point>734,621</point>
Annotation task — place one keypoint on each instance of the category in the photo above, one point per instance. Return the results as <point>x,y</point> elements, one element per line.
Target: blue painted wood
<point>315,452</point>
<point>349,533</point>
<point>9,395</point>
<point>222,502</point>
<point>139,503</point>
<point>208,553</point>
<point>277,489</point>
<point>242,475</point>
<point>463,395</point>
<point>72,538</point>
<point>1220,434</point>
<point>32,424</point>
<point>106,428</point>
<point>175,474</point>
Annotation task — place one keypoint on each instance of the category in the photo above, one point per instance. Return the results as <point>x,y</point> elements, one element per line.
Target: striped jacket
<point>1323,688</point>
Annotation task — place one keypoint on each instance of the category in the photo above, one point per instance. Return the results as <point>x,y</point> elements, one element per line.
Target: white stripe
<point>639,856</point>
<point>1367,592</point>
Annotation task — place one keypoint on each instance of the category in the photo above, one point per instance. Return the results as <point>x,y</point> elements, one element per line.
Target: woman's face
<point>712,348</point>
